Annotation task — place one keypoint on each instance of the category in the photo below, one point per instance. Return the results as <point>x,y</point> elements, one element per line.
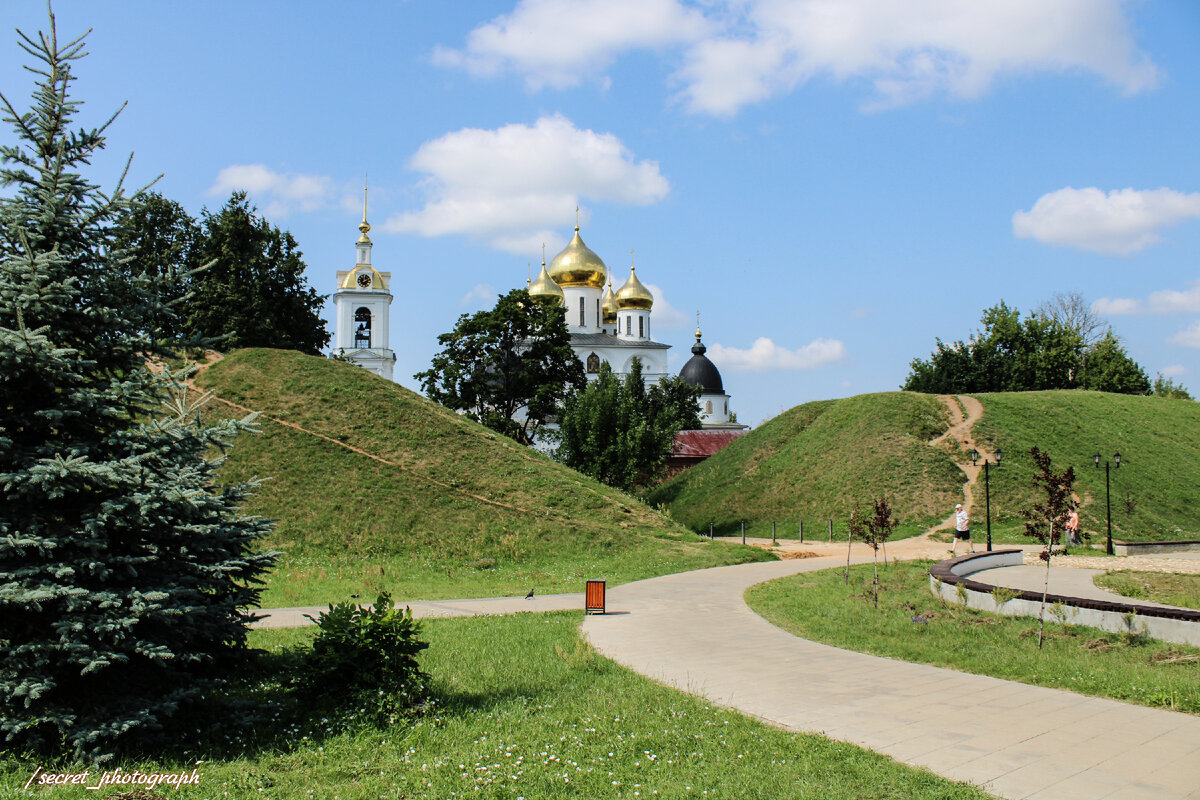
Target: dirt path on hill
<point>960,432</point>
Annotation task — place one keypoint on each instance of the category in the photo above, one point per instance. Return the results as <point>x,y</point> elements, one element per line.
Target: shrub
<point>368,654</point>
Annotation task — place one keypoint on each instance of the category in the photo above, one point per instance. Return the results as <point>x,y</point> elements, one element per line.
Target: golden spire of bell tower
<point>697,325</point>
<point>364,226</point>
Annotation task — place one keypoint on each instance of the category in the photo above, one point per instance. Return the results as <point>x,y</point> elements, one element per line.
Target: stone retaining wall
<point>1154,548</point>
<point>1181,626</point>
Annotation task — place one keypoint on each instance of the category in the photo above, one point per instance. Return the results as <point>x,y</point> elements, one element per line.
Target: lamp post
<point>1108,548</point>
<point>987,489</point>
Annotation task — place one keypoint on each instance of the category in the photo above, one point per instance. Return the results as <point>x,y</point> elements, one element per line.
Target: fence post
<point>801,531</point>
<point>772,533</point>
<point>831,531</point>
<point>743,531</point>
<point>710,533</point>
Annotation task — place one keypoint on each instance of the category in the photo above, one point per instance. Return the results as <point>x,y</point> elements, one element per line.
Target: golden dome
<point>544,289</point>
<point>608,305</point>
<point>576,265</point>
<point>351,279</point>
<point>633,294</point>
<point>363,227</point>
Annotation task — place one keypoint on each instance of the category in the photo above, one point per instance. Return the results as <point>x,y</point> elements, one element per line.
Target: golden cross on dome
<point>577,217</point>
<point>631,261</point>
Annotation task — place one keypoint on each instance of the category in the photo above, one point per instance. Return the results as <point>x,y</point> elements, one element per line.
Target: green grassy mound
<point>447,508</point>
<point>1153,492</point>
<point>816,462</point>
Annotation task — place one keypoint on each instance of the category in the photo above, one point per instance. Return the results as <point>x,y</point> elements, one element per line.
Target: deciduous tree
<point>621,433</point>
<point>1046,518</point>
<point>509,368</point>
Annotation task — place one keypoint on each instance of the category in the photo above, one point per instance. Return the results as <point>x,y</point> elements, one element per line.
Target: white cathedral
<point>604,325</point>
<point>615,326</point>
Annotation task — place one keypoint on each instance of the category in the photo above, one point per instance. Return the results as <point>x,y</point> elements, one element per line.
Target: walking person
<point>962,529</point>
<point>1072,527</point>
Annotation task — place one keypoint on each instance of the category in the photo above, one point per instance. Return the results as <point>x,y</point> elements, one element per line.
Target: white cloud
<point>1167,301</point>
<point>281,192</point>
<point>1174,371</point>
<point>664,314</point>
<point>738,52</point>
<point>482,294</point>
<point>558,43</point>
<point>513,186</point>
<point>765,355</point>
<point>1188,337</point>
<point>1118,223</point>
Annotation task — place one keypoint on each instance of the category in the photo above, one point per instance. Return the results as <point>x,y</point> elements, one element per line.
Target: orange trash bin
<point>593,599</point>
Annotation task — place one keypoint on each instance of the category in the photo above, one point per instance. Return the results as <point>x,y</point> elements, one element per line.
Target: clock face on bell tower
<point>364,281</point>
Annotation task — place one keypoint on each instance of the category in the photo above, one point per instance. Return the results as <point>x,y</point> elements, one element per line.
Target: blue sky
<point>833,185</point>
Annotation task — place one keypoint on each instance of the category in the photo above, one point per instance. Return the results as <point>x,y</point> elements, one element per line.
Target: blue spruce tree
<point>124,569</point>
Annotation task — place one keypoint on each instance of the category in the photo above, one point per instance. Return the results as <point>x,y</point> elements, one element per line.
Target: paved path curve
<point>434,609</point>
<point>695,632</point>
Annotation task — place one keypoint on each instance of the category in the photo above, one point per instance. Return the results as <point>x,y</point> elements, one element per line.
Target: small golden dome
<point>633,294</point>
<point>351,281</point>
<point>545,290</point>
<point>363,227</point>
<point>608,306</point>
<point>576,265</point>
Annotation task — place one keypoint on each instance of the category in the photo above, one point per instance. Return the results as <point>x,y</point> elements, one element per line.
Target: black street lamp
<point>1108,548</point>
<point>987,489</point>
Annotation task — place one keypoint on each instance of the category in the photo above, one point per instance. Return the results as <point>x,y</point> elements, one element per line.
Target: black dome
<point>699,371</point>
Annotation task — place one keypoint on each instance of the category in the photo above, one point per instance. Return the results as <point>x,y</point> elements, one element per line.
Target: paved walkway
<point>1067,581</point>
<point>434,609</point>
<point>693,631</point>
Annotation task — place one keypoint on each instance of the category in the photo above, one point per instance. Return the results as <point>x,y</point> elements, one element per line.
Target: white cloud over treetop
<point>1119,223</point>
<point>738,52</point>
<point>1167,301</point>
<point>765,355</point>
<point>513,186</point>
<point>281,192</point>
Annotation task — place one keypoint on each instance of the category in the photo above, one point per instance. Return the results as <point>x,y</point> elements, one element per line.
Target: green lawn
<point>819,606</point>
<point>1171,588</point>
<point>524,710</point>
<point>319,579</point>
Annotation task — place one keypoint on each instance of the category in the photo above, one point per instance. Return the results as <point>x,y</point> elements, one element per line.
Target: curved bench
<point>1178,625</point>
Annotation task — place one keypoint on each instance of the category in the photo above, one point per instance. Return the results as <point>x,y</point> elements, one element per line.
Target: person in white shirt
<point>962,529</point>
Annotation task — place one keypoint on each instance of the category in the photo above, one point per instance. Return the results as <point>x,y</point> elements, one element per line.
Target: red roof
<point>702,444</point>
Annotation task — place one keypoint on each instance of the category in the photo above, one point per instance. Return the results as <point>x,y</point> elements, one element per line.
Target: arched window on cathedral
<point>641,327</point>
<point>708,406</point>
<point>593,364</point>
<point>581,322</point>
<point>629,326</point>
<point>362,328</point>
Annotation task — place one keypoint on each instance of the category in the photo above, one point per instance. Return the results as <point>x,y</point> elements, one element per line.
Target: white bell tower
<point>361,302</point>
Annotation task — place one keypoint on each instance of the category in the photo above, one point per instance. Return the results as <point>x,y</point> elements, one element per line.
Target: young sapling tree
<point>1047,517</point>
